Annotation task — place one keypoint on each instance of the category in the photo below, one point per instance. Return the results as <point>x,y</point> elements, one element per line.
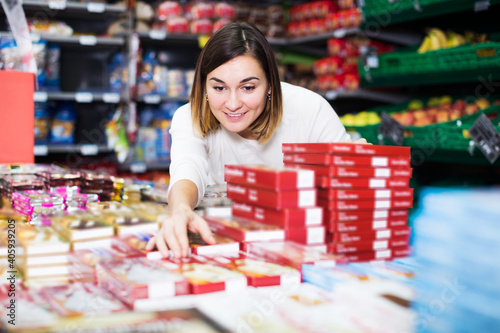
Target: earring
<point>268,97</point>
<point>206,96</point>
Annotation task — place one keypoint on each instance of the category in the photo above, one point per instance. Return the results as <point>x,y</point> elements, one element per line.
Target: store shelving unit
<point>83,149</point>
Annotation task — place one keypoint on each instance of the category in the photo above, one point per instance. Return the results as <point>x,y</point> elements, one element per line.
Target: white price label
<point>89,150</point>
<point>111,98</point>
<point>84,97</point>
<point>372,62</point>
<point>57,4</point>
<point>96,7</point>
<point>152,99</point>
<point>157,34</point>
<point>331,94</point>
<point>40,96</point>
<point>138,167</point>
<point>40,150</point>
<point>339,33</point>
<point>480,6</point>
<point>87,40</point>
<point>35,37</point>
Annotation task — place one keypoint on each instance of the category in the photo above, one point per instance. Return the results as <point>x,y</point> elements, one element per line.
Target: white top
<point>307,117</point>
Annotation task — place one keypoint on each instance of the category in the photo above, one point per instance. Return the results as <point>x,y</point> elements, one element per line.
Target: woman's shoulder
<point>183,112</point>
<point>292,91</point>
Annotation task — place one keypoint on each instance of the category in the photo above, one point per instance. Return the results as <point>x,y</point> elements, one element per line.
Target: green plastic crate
<point>454,135</point>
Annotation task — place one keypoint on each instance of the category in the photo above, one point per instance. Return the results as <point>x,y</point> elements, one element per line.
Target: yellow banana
<point>441,37</point>
<point>425,46</point>
<point>435,44</point>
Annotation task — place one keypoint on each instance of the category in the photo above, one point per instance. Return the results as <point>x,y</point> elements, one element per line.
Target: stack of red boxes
<point>283,197</point>
<point>365,193</point>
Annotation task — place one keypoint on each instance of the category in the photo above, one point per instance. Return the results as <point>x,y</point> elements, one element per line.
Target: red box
<point>244,230</point>
<point>272,199</point>
<point>306,236</point>
<point>342,248</point>
<point>344,205</point>
<point>260,272</point>
<point>137,278</point>
<point>292,254</point>
<point>375,215</point>
<point>362,183</point>
<point>360,226</point>
<point>346,148</point>
<point>350,172</point>
<point>222,246</point>
<point>347,160</point>
<point>336,194</point>
<point>351,237</point>
<point>207,276</point>
<point>386,254</point>
<point>269,178</point>
<point>285,218</point>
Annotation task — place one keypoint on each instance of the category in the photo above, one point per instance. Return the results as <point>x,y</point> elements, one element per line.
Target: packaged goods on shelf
<point>244,230</point>
<point>347,161</point>
<point>223,246</point>
<point>336,171</point>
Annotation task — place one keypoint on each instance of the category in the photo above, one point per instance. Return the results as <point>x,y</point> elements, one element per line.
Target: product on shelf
<point>168,9</point>
<point>244,230</point>
<point>63,123</point>
<point>50,27</point>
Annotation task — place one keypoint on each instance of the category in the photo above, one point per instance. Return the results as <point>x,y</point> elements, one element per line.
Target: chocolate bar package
<point>265,177</point>
<point>360,226</point>
<point>348,160</point>
<point>360,205</point>
<point>346,148</point>
<point>244,230</point>
<point>368,245</point>
<point>350,172</point>
<point>285,218</point>
<point>372,215</point>
<point>362,183</point>
<point>366,194</point>
<point>307,236</point>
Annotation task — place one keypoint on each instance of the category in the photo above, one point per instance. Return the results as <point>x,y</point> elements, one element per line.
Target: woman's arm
<point>182,198</point>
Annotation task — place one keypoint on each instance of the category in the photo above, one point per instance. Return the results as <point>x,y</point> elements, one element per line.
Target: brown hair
<point>233,40</point>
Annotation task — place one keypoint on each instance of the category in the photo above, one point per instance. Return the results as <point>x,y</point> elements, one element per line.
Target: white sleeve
<point>188,153</point>
<point>326,126</point>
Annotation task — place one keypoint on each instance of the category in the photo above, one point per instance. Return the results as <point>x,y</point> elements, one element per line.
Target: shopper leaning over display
<point>239,113</point>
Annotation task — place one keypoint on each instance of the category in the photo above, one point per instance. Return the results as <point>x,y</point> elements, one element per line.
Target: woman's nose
<point>233,101</point>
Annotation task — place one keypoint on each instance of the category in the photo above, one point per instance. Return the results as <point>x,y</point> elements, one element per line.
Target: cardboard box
<point>369,215</point>
<point>346,148</point>
<point>244,230</point>
<point>339,171</point>
<point>369,245</point>
<point>359,205</point>
<point>360,226</point>
<point>350,237</point>
<point>269,178</point>
<point>355,194</point>
<point>346,160</point>
<point>284,218</point>
<point>362,183</point>
<point>306,236</point>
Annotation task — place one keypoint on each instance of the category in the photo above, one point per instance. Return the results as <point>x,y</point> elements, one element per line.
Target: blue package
<point>63,123</point>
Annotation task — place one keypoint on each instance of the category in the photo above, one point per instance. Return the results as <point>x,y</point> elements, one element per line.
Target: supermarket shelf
<point>142,167</point>
<point>366,94</point>
<point>83,149</point>
<point>160,36</point>
<point>79,97</point>
<point>420,155</point>
<point>339,33</point>
<point>409,10</point>
<point>70,6</point>
<point>157,99</point>
<point>84,40</point>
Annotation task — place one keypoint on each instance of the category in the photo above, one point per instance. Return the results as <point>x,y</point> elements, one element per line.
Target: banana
<point>435,42</point>
<point>441,37</point>
<point>425,46</point>
<point>454,39</point>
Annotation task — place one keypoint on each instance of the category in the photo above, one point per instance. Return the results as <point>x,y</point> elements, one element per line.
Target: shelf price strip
<point>486,138</point>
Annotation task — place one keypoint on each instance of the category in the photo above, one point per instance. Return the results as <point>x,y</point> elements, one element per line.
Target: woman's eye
<point>219,88</point>
<point>248,88</point>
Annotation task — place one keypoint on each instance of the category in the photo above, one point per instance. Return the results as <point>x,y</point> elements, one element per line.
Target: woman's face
<point>237,94</point>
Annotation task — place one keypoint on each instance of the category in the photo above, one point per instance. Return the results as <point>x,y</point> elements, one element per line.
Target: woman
<point>239,113</point>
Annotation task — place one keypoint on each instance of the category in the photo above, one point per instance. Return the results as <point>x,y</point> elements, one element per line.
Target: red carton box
<point>360,226</point>
<point>350,237</point>
<point>244,230</point>
<point>357,205</point>
<point>285,218</point>
<point>339,171</point>
<point>306,236</point>
<point>385,254</point>
<point>345,148</point>
<point>362,183</point>
<point>260,272</point>
<point>345,160</point>
<point>139,278</point>
<point>373,215</point>
<point>269,178</point>
<point>336,194</point>
<point>223,246</point>
<point>206,275</point>
<point>292,254</point>
<point>272,199</point>
<point>371,245</point>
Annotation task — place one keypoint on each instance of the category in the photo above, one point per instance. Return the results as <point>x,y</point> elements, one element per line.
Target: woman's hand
<point>173,233</point>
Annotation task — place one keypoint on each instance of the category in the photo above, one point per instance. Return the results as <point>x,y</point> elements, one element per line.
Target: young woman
<point>239,113</point>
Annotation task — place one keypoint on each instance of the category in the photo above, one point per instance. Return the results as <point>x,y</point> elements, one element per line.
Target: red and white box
<point>351,237</point>
<point>355,194</point>
<point>374,215</point>
<point>350,172</point>
<point>244,230</point>
<point>276,179</point>
<point>306,236</point>
<point>205,275</point>
<point>346,160</point>
<point>285,218</point>
<point>272,199</point>
<point>361,226</point>
<point>139,278</point>
<point>385,254</point>
<point>364,246</point>
<point>362,183</point>
<point>292,254</point>
<point>357,205</point>
<point>260,272</point>
<point>346,148</point>
<point>223,246</point>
